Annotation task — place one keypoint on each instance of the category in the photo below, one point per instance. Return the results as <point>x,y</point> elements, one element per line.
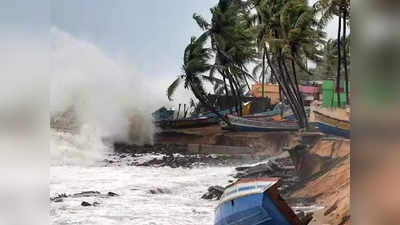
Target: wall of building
<point>270,90</point>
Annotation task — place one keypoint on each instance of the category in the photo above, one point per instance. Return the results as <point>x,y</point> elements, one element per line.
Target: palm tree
<point>299,41</point>
<point>346,16</point>
<point>329,61</point>
<point>289,37</point>
<point>326,68</point>
<point>195,64</point>
<point>232,42</point>
<point>260,20</point>
<point>341,9</point>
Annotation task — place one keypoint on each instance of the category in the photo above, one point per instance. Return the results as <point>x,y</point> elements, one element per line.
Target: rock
<point>86,194</point>
<point>58,200</point>
<point>85,204</point>
<point>242,168</point>
<point>96,203</point>
<point>112,194</point>
<point>214,193</point>
<point>59,197</point>
<point>159,191</point>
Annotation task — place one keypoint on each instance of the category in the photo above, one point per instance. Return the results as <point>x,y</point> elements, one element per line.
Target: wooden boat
<point>333,126</point>
<point>246,124</point>
<point>255,201</point>
<point>269,114</point>
<point>289,115</point>
<point>213,115</point>
<point>186,123</point>
<point>204,120</point>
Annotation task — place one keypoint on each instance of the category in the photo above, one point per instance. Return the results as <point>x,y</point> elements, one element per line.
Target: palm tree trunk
<point>226,90</point>
<point>179,109</point>
<point>236,83</point>
<point>283,88</point>
<point>297,97</point>
<point>293,102</point>
<point>298,90</point>
<point>247,83</point>
<point>339,60</point>
<point>263,73</point>
<point>346,75</point>
<point>234,95</point>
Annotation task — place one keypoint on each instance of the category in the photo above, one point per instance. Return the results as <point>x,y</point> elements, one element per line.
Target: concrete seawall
<point>213,140</point>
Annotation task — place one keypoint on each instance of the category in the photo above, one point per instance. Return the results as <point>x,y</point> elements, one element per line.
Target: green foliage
<point>280,36</point>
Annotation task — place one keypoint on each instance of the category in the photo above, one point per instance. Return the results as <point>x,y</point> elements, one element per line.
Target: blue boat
<point>332,126</point>
<point>289,115</point>
<point>254,201</point>
<point>253,125</point>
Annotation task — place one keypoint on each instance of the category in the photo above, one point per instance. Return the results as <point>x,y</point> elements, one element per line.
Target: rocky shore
<point>311,173</point>
<point>174,156</point>
<point>305,171</point>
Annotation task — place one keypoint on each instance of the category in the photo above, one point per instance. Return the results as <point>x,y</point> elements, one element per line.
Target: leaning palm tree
<point>299,40</point>
<point>232,42</point>
<point>289,38</point>
<point>195,63</point>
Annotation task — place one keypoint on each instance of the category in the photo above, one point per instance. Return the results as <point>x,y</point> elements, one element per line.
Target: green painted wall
<point>329,95</point>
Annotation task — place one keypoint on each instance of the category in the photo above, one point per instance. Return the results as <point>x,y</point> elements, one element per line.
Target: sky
<point>149,35</point>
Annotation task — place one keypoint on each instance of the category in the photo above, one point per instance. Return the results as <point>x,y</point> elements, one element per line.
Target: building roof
<point>308,89</point>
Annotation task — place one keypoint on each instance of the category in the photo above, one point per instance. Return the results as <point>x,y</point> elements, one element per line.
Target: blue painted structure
<point>163,114</point>
<point>256,209</point>
<point>252,203</point>
<point>331,125</point>
<point>327,129</point>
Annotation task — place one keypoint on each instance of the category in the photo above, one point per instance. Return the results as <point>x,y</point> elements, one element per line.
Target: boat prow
<point>254,201</point>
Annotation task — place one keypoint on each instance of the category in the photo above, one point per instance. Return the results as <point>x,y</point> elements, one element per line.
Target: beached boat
<point>331,125</point>
<point>276,111</point>
<point>255,201</point>
<point>247,124</point>
<point>289,115</point>
<point>203,120</point>
<point>276,114</point>
<point>186,123</point>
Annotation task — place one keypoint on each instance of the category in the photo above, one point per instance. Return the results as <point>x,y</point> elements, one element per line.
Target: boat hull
<point>332,126</point>
<point>181,124</point>
<point>250,125</point>
<point>254,201</point>
<point>332,130</point>
<point>245,128</point>
<point>254,209</point>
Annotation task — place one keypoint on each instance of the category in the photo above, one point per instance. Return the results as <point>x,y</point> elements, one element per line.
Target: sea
<point>78,165</point>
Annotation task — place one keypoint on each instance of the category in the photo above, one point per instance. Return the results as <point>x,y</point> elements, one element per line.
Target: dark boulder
<point>159,191</point>
<point>96,203</point>
<point>86,194</point>
<point>112,194</point>
<point>214,193</point>
<point>85,204</point>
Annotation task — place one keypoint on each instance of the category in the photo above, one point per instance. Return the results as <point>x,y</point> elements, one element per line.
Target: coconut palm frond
<point>203,24</point>
<point>172,88</point>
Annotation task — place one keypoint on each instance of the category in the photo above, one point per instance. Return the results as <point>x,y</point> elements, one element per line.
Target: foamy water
<point>77,166</point>
<point>135,204</point>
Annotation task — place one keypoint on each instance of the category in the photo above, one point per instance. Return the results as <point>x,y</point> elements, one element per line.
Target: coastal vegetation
<point>272,41</point>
